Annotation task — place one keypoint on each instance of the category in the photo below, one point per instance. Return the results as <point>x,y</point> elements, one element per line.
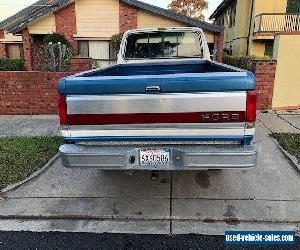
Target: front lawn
<point>290,142</point>
<point>21,156</point>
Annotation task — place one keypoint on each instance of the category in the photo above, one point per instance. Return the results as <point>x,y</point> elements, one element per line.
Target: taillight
<point>251,106</point>
<point>62,110</point>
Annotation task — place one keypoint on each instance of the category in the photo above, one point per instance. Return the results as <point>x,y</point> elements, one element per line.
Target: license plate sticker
<point>154,156</point>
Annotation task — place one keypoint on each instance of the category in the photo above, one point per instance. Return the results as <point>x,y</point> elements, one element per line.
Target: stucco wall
<point>257,48</point>
<point>287,80</point>
<point>237,34</point>
<point>45,25</point>
<point>269,6</point>
<point>96,18</point>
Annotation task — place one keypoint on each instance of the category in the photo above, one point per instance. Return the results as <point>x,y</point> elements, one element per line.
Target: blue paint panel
<point>248,139</point>
<point>172,77</point>
<point>245,139</point>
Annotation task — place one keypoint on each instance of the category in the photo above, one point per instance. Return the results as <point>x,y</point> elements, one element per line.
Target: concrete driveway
<point>207,202</point>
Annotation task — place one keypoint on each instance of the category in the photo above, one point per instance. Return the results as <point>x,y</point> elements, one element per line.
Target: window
<point>232,14</point>
<point>220,21</point>
<point>100,51</point>
<point>84,48</point>
<point>269,48</point>
<point>14,50</point>
<point>293,6</point>
<point>163,45</point>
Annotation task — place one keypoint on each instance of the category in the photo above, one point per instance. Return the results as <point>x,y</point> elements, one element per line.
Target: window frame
<point>163,46</point>
<point>232,14</point>
<point>110,51</point>
<point>269,44</point>
<point>20,46</point>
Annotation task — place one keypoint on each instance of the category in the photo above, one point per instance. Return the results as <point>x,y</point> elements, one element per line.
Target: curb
<point>292,158</point>
<point>32,176</point>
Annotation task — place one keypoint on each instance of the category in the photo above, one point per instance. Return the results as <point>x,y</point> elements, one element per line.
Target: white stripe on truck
<point>157,103</point>
<point>216,129</point>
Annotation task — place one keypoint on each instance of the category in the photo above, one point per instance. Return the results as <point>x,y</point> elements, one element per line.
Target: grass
<point>290,142</point>
<point>21,156</point>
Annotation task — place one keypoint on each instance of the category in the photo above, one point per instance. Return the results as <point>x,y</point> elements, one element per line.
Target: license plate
<point>154,156</point>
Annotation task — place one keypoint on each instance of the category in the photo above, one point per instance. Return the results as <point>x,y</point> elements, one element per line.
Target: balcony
<point>268,24</point>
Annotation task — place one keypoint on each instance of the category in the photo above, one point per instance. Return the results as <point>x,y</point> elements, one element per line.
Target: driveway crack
<point>171,202</point>
<point>288,122</point>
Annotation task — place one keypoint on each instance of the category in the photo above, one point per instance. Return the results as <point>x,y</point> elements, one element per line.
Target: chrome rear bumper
<point>182,157</point>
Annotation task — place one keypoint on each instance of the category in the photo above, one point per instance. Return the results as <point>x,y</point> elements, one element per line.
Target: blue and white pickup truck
<point>164,106</point>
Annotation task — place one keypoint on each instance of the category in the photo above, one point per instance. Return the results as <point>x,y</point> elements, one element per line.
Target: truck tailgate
<point>170,107</point>
<point>142,116</point>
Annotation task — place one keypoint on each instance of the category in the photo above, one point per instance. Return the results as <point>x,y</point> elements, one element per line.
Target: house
<point>251,25</point>
<point>88,25</point>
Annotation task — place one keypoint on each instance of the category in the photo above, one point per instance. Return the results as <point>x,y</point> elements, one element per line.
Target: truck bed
<point>181,76</point>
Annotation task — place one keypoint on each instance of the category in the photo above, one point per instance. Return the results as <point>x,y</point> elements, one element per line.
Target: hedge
<point>7,64</point>
<point>57,38</point>
<point>243,62</point>
<point>116,41</point>
<point>56,53</point>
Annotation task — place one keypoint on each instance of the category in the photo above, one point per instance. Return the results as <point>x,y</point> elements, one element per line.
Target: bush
<point>116,41</point>
<point>243,62</point>
<point>7,64</point>
<point>57,38</point>
<point>57,52</point>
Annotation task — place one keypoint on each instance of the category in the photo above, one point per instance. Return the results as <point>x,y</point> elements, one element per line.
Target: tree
<point>191,8</point>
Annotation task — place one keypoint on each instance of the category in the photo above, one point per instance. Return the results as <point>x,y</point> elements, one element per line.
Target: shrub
<point>243,62</point>
<point>57,52</point>
<point>7,64</point>
<point>57,38</point>
<point>116,41</point>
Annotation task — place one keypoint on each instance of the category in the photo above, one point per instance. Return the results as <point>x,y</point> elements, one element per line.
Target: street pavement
<point>204,202</point>
<point>56,240</point>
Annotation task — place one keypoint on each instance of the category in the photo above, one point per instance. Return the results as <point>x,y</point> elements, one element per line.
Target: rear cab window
<point>163,45</point>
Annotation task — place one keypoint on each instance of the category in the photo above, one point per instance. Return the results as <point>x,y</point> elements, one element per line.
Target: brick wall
<point>265,76</point>
<point>127,17</point>
<point>30,92</point>
<point>34,92</point>
<point>2,45</point>
<point>81,64</point>
<point>27,48</point>
<point>65,21</point>
<point>37,53</point>
<point>218,46</point>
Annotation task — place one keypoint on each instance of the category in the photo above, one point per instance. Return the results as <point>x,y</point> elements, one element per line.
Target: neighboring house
<point>88,24</point>
<point>250,25</point>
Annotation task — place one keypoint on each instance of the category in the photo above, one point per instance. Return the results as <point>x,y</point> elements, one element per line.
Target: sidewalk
<point>281,121</point>
<point>29,125</point>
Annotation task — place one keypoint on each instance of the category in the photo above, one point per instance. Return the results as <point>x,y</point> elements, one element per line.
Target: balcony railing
<point>272,23</point>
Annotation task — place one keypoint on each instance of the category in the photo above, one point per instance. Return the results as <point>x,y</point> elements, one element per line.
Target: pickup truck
<point>164,106</point>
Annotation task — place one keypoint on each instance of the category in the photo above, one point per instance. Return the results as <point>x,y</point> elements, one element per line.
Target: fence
<point>34,92</point>
<point>272,23</point>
